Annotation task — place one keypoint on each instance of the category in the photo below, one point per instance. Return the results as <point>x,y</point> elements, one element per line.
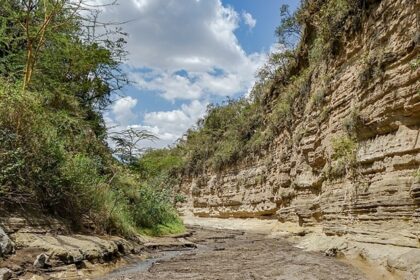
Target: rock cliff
<point>365,187</point>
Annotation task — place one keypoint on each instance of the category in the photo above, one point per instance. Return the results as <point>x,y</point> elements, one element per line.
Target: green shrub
<point>53,161</point>
<point>240,128</point>
<point>417,175</point>
<point>352,122</point>
<point>155,162</point>
<point>344,148</point>
<point>318,98</point>
<point>415,63</point>
<point>372,68</point>
<point>343,158</point>
<point>153,208</point>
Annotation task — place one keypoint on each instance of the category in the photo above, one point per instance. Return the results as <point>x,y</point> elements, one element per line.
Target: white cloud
<point>123,110</point>
<point>171,34</point>
<point>176,122</point>
<point>192,36</point>
<point>168,126</point>
<point>170,85</point>
<point>249,19</point>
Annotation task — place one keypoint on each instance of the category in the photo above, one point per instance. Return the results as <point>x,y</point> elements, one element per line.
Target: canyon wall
<point>372,192</point>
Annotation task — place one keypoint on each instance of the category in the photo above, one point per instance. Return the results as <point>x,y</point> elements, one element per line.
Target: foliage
<point>352,122</point>
<point>154,163</point>
<point>239,129</point>
<point>127,143</point>
<point>372,68</point>
<point>55,45</point>
<point>54,157</point>
<point>153,208</point>
<point>343,156</point>
<point>46,165</point>
<point>415,63</point>
<point>220,138</point>
<point>343,148</point>
<point>289,30</point>
<point>417,175</point>
<point>317,100</point>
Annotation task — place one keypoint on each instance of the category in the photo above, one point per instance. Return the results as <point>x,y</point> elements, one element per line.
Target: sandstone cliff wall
<point>372,90</point>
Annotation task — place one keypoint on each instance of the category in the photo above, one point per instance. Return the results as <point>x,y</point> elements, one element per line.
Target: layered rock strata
<point>370,90</point>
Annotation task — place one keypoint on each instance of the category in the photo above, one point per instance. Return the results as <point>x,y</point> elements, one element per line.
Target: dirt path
<point>229,254</point>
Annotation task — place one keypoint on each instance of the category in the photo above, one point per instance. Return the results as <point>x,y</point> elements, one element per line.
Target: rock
<point>371,197</point>
<point>6,245</point>
<point>64,249</point>
<point>41,261</point>
<point>5,274</point>
<point>36,277</point>
<point>16,268</point>
<point>331,252</point>
<point>408,262</point>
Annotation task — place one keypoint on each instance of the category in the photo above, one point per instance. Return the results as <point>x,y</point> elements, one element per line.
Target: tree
<point>289,30</point>
<point>127,143</point>
<point>61,44</point>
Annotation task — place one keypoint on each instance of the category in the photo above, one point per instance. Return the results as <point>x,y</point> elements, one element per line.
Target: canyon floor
<point>235,254</point>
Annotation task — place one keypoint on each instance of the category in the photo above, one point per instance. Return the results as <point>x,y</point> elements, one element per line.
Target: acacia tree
<point>127,143</point>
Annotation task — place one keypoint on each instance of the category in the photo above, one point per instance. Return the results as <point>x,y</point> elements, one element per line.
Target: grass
<point>51,160</point>
<point>175,227</point>
<point>343,157</point>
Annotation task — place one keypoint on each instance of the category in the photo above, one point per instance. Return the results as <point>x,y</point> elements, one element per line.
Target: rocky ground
<point>211,249</point>
<point>229,254</point>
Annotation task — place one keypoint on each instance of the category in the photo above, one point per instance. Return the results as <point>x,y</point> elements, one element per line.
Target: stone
<point>41,261</point>
<point>36,277</point>
<point>65,249</point>
<point>373,200</point>
<point>5,274</point>
<point>6,245</point>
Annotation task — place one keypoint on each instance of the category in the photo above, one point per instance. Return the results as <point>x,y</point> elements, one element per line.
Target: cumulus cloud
<point>168,126</point>
<point>182,50</point>
<point>249,20</point>
<point>171,34</point>
<point>123,110</point>
<point>176,122</point>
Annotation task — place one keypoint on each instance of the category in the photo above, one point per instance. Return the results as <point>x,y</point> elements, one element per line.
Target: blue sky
<point>185,54</point>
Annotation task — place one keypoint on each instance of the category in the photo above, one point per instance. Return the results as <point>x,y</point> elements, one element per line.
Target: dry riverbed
<point>211,249</point>
<point>232,254</point>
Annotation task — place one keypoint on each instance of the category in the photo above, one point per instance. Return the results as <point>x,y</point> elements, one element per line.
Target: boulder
<point>41,261</point>
<point>5,274</point>
<point>6,245</point>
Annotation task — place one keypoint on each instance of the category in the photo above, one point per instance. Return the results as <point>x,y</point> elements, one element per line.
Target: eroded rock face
<point>376,198</point>
<point>5,274</point>
<point>6,245</point>
<point>62,250</point>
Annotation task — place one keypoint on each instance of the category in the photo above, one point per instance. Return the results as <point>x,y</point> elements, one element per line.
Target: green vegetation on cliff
<point>242,129</point>
<point>56,75</point>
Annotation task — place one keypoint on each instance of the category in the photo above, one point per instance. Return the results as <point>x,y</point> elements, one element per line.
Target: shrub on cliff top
<point>238,129</point>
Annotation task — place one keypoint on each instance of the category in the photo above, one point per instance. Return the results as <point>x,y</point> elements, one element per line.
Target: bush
<point>343,157</point>
<point>352,123</point>
<point>156,162</point>
<point>52,161</point>
<point>344,148</point>
<point>237,129</point>
<point>53,154</point>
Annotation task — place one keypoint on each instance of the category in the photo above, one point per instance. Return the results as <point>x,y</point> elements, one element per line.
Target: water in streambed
<point>141,266</point>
